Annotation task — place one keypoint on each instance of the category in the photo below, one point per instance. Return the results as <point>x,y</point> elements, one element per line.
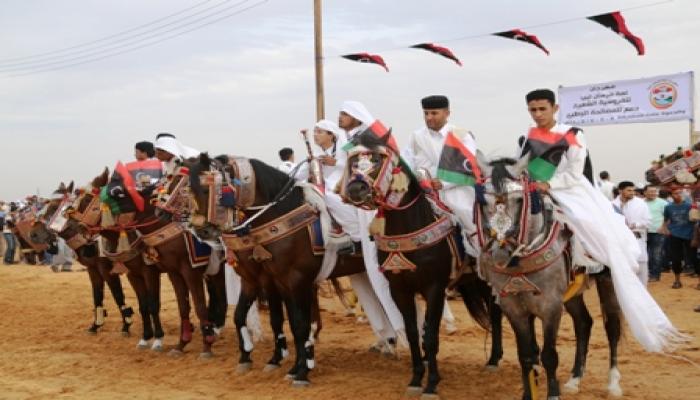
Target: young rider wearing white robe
<point>601,231</point>
<point>169,150</point>
<point>353,119</point>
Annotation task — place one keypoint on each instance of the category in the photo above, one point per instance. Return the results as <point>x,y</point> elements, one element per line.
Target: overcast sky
<point>245,85</point>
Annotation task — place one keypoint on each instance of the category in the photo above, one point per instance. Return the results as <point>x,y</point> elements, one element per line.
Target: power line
<point>254,5</point>
<point>130,40</point>
<point>40,55</point>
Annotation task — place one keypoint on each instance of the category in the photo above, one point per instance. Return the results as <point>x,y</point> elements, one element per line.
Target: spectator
<point>10,241</point>
<point>606,186</point>
<point>637,218</point>
<point>655,240</point>
<point>679,229</point>
<point>287,157</point>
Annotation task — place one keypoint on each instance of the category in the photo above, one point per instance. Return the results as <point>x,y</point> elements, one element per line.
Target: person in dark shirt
<point>679,229</point>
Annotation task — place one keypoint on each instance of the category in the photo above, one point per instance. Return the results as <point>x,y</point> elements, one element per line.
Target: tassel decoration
<point>228,197</point>
<point>399,182</point>
<point>123,243</point>
<point>378,224</point>
<point>106,219</point>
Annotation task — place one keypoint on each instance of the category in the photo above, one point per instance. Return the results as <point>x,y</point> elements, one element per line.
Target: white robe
<point>604,236</point>
<point>425,146</point>
<point>638,219</point>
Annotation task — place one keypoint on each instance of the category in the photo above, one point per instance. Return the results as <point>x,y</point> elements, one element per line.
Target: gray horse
<point>526,259</point>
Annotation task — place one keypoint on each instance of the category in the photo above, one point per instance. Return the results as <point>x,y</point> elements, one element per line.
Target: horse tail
<point>476,295</point>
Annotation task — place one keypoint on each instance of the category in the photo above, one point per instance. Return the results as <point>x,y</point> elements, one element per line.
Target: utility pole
<point>318,54</point>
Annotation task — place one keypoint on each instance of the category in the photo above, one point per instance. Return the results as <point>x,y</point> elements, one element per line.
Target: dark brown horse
<point>285,268</point>
<point>416,248</point>
<point>164,242</point>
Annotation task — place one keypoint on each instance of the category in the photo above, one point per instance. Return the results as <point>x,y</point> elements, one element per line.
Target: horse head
<point>370,171</point>
<point>42,231</point>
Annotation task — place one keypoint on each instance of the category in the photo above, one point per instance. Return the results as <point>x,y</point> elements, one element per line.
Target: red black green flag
<point>546,149</point>
<point>517,34</point>
<point>443,51</point>
<point>129,185</point>
<point>458,161</point>
<point>616,22</point>
<point>367,58</point>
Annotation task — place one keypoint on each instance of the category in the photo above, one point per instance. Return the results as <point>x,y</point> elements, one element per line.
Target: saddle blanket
<point>199,252</point>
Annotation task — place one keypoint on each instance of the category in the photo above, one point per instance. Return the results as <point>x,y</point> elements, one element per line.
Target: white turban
<point>330,126</point>
<point>174,147</point>
<point>358,111</point>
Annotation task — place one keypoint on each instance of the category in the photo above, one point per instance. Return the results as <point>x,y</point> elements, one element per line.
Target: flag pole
<point>318,55</point>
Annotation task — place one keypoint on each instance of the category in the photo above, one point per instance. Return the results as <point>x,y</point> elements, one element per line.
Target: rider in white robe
<point>171,151</point>
<point>603,233</point>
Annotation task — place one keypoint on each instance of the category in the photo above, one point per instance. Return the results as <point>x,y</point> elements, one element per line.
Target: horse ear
<point>483,163</point>
<point>61,187</point>
<point>205,160</point>
<point>521,165</point>
<point>69,189</point>
<point>385,139</point>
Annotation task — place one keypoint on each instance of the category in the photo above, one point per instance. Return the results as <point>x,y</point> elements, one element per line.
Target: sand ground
<point>46,354</point>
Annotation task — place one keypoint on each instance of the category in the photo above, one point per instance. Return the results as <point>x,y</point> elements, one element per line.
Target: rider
<point>426,145</point>
<point>170,151</point>
<point>143,151</point>
<point>353,119</point>
<point>599,229</point>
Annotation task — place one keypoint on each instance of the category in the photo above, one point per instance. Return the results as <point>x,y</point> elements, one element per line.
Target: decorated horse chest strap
<point>162,235</point>
<point>78,240</point>
<point>417,240</point>
<point>540,258</point>
<point>274,230</point>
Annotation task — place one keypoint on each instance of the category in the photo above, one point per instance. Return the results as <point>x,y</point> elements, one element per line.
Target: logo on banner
<point>663,94</point>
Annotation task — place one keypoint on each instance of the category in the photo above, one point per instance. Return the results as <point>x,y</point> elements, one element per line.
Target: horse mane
<point>270,182</point>
<point>500,173</point>
<point>371,141</point>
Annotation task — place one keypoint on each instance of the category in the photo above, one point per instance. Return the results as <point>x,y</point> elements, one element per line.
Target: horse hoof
<point>206,355</point>
<point>157,349</point>
<point>491,368</point>
<point>125,334</point>
<point>300,384</point>
<point>142,344</point>
<point>289,377</point>
<point>242,368</point>
<point>414,391</point>
<point>271,367</point>
<point>429,396</point>
<point>91,332</point>
<point>553,398</point>
<point>572,386</point>
<point>175,353</point>
<point>615,391</point>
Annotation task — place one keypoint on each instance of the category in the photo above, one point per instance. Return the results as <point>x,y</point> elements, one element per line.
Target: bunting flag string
<point>612,20</point>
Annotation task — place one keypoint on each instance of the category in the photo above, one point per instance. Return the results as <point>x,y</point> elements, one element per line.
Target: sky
<point>245,85</point>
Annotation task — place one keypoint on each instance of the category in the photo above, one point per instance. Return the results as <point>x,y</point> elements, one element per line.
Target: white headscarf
<point>358,111</point>
<point>174,147</point>
<point>329,126</point>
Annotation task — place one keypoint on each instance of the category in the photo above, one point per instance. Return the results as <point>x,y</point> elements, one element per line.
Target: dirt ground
<point>45,353</point>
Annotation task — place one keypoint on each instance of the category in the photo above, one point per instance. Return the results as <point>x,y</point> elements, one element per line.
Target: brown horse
<point>283,265</point>
<point>164,242</point>
<point>415,245</point>
<point>98,268</point>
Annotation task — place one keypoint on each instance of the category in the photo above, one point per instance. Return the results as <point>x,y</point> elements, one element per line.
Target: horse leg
<point>216,288</point>
<point>183,305</point>
<point>195,283</point>
<point>435,302</point>
<point>496,317</point>
<point>611,315</point>
<point>98,292</point>
<point>245,341</point>
<point>316,323</point>
<point>139,286</point>
<point>582,328</point>
<point>276,322</point>
<point>406,303</point>
<point>301,305</point>
<point>521,322</point>
<point>152,278</point>
<point>550,357</point>
<point>114,283</point>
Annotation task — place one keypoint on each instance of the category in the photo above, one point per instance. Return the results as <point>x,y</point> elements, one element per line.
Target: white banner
<point>656,99</point>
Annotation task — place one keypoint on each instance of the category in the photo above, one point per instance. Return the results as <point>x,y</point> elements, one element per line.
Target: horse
<point>98,268</point>
<point>162,240</point>
<point>269,211</point>
<point>526,259</point>
<point>416,247</point>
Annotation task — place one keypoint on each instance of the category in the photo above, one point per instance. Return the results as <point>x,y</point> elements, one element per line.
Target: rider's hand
<point>542,186</point>
<point>437,185</point>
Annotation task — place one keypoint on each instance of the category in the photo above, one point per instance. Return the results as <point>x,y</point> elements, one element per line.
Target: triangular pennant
<point>367,58</point>
<point>517,34</point>
<point>616,22</point>
<point>443,51</point>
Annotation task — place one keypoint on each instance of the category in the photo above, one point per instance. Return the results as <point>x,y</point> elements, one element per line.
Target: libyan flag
<point>458,161</point>
<point>546,149</point>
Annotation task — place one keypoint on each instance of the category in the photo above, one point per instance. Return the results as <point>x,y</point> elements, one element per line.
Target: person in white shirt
<point>601,231</point>
<point>287,156</point>
<point>170,151</point>
<point>606,186</point>
<point>638,219</point>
